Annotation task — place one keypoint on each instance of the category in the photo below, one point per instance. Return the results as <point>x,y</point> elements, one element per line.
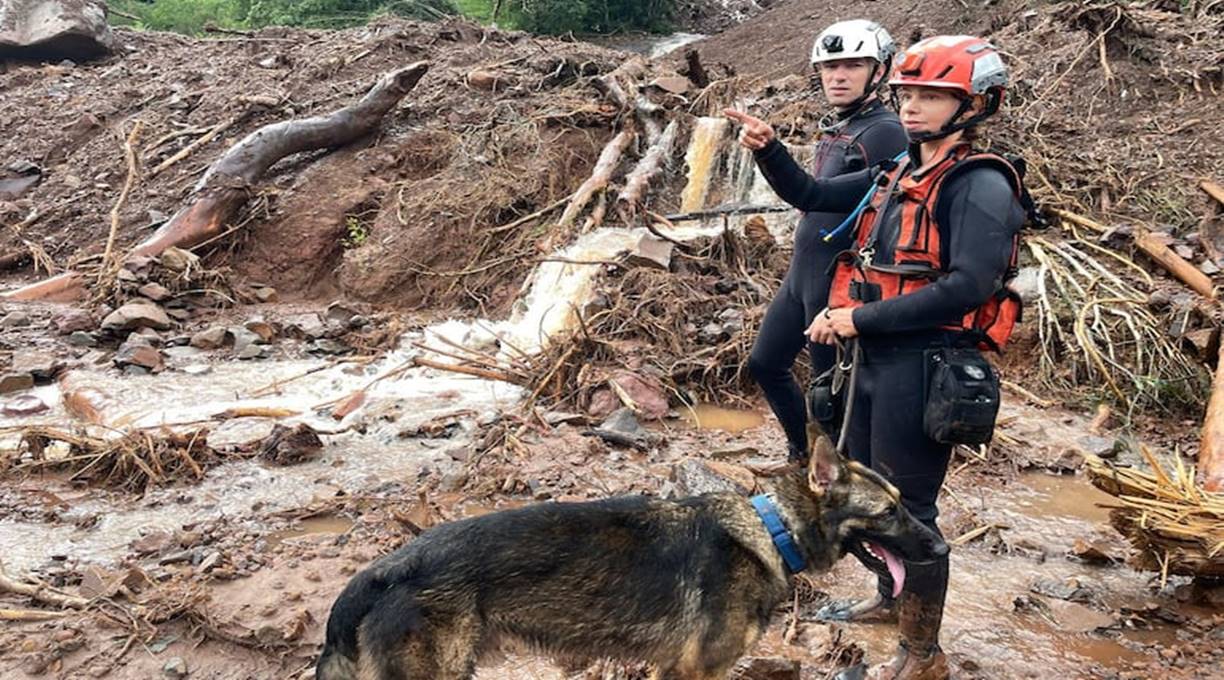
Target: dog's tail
<point>366,628</point>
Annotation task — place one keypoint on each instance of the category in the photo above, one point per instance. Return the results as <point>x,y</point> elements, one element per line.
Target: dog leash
<point>846,371</point>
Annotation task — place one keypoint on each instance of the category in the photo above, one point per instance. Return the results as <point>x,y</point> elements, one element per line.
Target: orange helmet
<point>965,64</point>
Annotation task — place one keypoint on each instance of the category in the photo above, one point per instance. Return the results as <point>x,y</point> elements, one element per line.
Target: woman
<point>926,277</point>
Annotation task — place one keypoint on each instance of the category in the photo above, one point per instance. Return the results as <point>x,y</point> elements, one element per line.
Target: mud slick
<point>510,293</point>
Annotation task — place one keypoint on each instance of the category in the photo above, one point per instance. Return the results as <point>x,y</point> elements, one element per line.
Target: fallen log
<point>1211,442</point>
<point>600,176</point>
<point>1213,190</point>
<point>638,179</point>
<point>1162,254</point>
<point>228,182</point>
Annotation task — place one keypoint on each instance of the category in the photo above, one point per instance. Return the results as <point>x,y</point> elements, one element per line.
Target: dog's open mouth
<point>896,568</point>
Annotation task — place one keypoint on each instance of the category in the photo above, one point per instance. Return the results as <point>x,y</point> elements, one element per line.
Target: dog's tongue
<point>896,568</point>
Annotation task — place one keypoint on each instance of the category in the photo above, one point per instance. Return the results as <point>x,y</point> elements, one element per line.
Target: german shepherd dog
<point>685,585</point>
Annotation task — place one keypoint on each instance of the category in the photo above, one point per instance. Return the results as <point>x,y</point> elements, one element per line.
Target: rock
<point>1027,283</point>
<point>72,321</point>
<point>154,291</point>
<point>41,364</point>
<point>175,668</point>
<point>289,445</point>
<point>672,84</point>
<point>15,320</point>
<point>180,314</point>
<point>694,477</point>
<point>266,294</point>
<point>15,382</point>
<point>645,391</point>
<point>151,335</point>
<point>765,668</point>
<point>308,325</point>
<point>262,328</point>
<point>1068,461</point>
<point>152,543</point>
<point>18,178</point>
<point>244,338</point>
<point>209,563</point>
<point>712,333</point>
<point>1095,552</point>
<point>337,312</point>
<point>211,338</point>
<point>1209,268</point>
<point>1097,446</point>
<point>137,314</point>
<point>328,346</point>
<point>25,405</point>
<point>197,369</point>
<point>54,30</point>
<point>1076,618</point>
<point>1203,344</point>
<point>1070,590</point>
<point>651,252</point>
<point>483,80</point>
<point>82,339</point>
<point>176,259</point>
<point>136,354</point>
<point>252,352</point>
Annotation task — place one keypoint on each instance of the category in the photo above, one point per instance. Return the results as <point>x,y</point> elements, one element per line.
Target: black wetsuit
<point>871,135</point>
<point>978,215</point>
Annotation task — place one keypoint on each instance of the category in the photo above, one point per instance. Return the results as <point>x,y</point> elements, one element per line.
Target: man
<point>852,59</point>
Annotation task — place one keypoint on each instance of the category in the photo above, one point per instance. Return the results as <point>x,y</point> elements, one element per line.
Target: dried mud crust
<point>501,125</point>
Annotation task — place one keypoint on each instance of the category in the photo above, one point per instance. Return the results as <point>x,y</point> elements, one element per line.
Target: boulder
<point>54,30</point>
<point>136,314</point>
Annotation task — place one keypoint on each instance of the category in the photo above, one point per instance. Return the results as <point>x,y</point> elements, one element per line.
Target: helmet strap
<point>993,100</point>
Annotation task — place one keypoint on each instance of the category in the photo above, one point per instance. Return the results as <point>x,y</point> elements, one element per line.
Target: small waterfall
<point>702,158</point>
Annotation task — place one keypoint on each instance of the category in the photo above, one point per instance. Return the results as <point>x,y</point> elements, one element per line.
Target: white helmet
<point>854,39</point>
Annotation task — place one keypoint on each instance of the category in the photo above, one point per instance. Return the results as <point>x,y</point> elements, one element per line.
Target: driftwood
<point>1162,254</point>
<point>608,160</point>
<point>227,184</point>
<point>652,162</point>
<point>40,592</point>
<point>1213,190</point>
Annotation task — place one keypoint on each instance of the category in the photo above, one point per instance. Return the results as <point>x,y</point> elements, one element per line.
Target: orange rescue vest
<point>918,260</point>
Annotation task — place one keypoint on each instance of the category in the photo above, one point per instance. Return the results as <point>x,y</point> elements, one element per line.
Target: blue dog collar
<point>782,539</point>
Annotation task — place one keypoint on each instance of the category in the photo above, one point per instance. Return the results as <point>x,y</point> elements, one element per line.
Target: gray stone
<point>251,352</point>
<point>15,320</point>
<point>244,338</point>
<point>197,369</point>
<point>266,294</point>
<point>328,346</point>
<point>25,405</point>
<point>137,314</point>
<point>694,477</point>
<point>309,325</point>
<point>339,313</point>
<point>175,668</point>
<point>82,339</point>
<point>54,30</point>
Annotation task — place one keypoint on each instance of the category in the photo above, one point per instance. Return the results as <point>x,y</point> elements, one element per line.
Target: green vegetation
<point>554,17</point>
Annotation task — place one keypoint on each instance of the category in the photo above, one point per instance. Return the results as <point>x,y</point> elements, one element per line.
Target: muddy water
<point>323,525</point>
<point>713,417</point>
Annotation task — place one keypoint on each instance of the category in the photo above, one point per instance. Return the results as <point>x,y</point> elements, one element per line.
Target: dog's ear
<point>825,466</point>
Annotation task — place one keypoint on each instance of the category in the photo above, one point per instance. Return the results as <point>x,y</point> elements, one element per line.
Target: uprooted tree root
<point>1095,326</point>
<point>137,460</point>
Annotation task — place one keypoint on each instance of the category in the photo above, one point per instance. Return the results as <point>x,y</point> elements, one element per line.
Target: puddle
<point>311,526</point>
<point>712,417</point>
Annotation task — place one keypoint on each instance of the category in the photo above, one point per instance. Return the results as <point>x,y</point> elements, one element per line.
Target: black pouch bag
<point>823,405</point>
<point>962,400</point>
